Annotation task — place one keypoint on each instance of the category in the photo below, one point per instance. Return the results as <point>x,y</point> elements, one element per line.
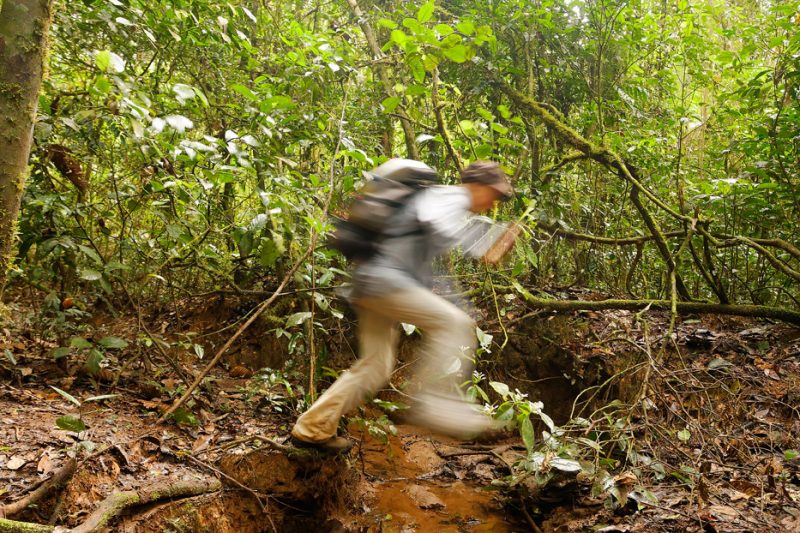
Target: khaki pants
<point>449,340</point>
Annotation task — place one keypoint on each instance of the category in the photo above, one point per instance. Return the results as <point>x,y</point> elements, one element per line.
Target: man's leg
<point>377,341</point>
<point>446,359</point>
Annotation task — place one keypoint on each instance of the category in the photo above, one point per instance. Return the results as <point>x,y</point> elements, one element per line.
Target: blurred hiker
<point>400,224</point>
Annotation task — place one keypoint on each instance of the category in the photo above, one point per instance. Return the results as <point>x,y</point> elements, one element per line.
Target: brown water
<point>407,486</point>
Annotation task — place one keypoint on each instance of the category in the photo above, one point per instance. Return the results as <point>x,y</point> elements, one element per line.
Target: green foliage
<point>206,133</point>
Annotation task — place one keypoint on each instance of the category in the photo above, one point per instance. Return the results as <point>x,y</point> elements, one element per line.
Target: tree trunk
<point>23,43</point>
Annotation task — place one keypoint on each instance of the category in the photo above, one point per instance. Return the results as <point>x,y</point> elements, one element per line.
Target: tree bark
<point>372,41</point>
<point>24,25</point>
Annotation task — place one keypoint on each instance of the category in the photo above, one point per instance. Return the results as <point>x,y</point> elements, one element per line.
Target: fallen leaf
<point>16,462</point>
<point>202,443</point>
<point>45,465</point>
<point>723,512</point>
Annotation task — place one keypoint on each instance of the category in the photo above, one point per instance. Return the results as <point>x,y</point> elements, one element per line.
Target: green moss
<point>11,91</point>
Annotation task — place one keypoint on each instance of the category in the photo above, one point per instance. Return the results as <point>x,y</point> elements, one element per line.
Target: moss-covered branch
<point>755,311</point>
<point>440,122</point>
<point>12,526</point>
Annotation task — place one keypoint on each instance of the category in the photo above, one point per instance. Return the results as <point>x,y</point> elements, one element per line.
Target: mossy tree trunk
<point>23,43</point>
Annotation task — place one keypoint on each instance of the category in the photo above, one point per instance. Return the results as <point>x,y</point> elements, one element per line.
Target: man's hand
<point>503,245</point>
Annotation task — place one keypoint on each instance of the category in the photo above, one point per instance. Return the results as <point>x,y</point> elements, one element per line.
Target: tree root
<point>59,479</point>
<point>12,526</point>
<point>118,502</point>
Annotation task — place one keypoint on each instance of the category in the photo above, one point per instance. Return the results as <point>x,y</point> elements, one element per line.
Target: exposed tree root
<point>59,479</point>
<point>119,501</point>
<point>12,526</point>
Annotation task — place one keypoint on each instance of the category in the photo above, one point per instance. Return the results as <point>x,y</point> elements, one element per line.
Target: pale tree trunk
<point>23,43</point>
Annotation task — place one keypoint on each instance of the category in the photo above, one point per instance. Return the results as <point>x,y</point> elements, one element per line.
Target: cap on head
<point>490,174</point>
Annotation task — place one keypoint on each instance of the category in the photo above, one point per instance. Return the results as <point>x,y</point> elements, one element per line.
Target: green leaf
<point>468,126</point>
<point>501,388</point>
<point>417,67</point>
<point>89,274</point>
<point>684,435</point>
<point>184,416</point>
<point>297,318</point>
<point>457,53</point>
<point>91,253</point>
<point>108,61</point>
<point>425,12</point>
<point>390,104</point>
<point>245,91</point>
<point>113,342</point>
<point>466,27</point>
<point>386,23</point>
<point>399,37</point>
<point>60,352</point>
<point>526,431</point>
<point>67,395</point>
<point>443,29</point>
<point>791,454</point>
<point>93,361</point>
<point>269,253</point>
<point>71,423</point>
<point>80,343</point>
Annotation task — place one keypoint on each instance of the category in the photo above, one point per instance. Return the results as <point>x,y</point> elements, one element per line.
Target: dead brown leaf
<point>16,462</point>
<point>45,465</point>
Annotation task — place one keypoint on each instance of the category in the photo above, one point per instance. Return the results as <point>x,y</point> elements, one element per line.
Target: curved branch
<point>547,172</point>
<point>59,479</point>
<point>119,501</point>
<point>614,241</point>
<point>660,241</point>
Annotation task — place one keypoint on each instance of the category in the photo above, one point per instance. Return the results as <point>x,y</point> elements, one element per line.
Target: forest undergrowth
<point>691,427</point>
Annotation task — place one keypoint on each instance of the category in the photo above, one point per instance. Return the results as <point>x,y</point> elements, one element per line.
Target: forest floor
<point>720,415</point>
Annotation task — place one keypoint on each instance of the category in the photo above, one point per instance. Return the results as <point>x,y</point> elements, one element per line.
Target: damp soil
<point>415,481</point>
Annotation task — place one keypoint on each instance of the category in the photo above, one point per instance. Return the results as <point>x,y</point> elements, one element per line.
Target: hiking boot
<point>334,445</point>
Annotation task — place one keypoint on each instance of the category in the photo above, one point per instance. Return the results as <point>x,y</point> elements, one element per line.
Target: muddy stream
<point>418,482</point>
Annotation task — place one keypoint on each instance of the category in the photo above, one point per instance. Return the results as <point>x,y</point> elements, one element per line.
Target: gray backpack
<point>391,187</point>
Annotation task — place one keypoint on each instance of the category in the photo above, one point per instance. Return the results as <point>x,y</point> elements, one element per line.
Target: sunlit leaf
<point>457,53</point>
<point>425,12</point>
<point>297,318</point>
<point>179,122</point>
<point>67,395</point>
